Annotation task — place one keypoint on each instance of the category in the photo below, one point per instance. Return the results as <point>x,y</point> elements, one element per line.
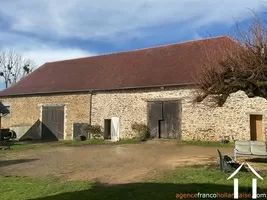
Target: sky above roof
<point>50,30</point>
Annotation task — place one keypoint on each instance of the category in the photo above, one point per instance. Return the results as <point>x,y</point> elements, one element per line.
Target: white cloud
<point>38,51</point>
<point>105,20</point>
<point>90,19</point>
<point>196,36</point>
<point>49,54</point>
<point>59,20</point>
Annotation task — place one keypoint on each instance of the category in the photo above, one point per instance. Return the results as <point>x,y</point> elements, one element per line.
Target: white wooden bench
<point>250,148</point>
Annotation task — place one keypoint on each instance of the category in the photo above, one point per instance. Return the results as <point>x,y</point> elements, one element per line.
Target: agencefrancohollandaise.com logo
<point>200,195</point>
<point>235,195</point>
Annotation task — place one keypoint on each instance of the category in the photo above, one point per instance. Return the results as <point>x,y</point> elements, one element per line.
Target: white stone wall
<point>199,121</point>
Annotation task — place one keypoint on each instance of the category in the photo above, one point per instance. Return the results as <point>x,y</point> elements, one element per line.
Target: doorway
<point>164,119</point>
<point>53,119</point>
<point>107,129</point>
<point>256,128</point>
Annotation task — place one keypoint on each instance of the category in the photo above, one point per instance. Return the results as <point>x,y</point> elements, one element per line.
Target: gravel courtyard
<point>106,163</point>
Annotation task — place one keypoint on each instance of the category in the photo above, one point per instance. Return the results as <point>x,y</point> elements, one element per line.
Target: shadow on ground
<point>4,163</point>
<point>155,191</point>
<point>257,160</point>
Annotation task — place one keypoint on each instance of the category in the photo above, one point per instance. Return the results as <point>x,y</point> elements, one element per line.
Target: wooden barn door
<point>171,123</point>
<point>164,119</point>
<point>53,121</point>
<point>256,128</point>
<point>154,118</point>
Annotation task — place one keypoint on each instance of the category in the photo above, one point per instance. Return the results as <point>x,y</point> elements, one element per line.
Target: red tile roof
<point>173,64</point>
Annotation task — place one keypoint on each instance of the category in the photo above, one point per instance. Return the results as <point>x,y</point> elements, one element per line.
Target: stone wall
<point>199,120</point>
<point>25,111</point>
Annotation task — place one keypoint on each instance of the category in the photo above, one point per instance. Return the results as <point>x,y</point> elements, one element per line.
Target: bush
<point>95,130</point>
<point>141,130</point>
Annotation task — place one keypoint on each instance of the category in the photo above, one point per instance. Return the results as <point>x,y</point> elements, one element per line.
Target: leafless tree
<point>243,68</point>
<point>13,67</point>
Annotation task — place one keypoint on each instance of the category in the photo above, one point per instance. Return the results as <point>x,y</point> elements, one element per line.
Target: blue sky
<point>49,30</point>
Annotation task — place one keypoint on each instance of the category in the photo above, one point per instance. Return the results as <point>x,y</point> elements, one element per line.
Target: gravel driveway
<point>106,163</point>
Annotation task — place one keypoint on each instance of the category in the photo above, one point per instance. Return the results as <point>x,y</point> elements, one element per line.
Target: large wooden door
<point>53,121</point>
<point>256,128</point>
<point>170,125</point>
<point>164,119</point>
<point>154,118</point>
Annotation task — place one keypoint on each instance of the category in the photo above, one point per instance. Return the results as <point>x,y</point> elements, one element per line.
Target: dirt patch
<point>189,161</point>
<point>107,163</point>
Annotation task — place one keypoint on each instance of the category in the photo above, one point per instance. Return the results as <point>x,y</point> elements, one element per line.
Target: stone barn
<point>154,86</point>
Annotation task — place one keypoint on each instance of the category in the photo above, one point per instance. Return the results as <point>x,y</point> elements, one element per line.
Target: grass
<point>96,141</point>
<point>207,143</point>
<point>25,146</point>
<point>19,146</point>
<point>27,188</point>
<point>164,186</point>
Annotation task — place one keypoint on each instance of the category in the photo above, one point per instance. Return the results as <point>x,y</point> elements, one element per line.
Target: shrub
<point>94,130</point>
<point>141,129</point>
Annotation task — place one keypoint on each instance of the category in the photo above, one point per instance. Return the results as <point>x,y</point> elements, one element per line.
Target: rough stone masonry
<point>25,111</point>
<point>200,121</point>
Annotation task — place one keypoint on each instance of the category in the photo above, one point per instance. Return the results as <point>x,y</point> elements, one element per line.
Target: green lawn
<point>95,141</point>
<point>206,143</point>
<point>25,146</point>
<point>165,186</point>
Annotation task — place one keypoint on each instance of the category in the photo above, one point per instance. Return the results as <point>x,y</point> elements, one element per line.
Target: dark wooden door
<point>170,126</point>
<point>154,116</point>
<point>164,119</point>
<point>53,121</point>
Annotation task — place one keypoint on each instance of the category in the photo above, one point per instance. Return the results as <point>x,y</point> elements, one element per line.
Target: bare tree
<point>14,67</point>
<point>244,67</point>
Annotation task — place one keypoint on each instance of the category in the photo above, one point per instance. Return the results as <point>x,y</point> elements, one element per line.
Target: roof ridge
<point>142,49</point>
